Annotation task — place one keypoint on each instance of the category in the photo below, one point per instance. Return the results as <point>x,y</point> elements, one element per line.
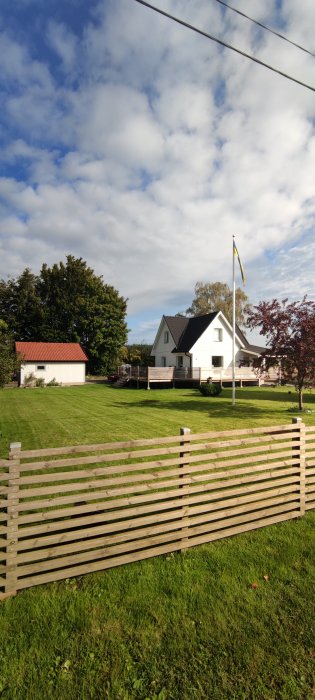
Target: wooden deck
<point>177,377</point>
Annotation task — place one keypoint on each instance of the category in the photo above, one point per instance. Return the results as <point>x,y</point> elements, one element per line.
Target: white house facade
<point>202,341</point>
<point>63,362</point>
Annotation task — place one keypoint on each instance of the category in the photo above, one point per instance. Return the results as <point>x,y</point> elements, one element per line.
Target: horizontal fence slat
<point>126,444</point>
<point>155,501</point>
<point>287,428</point>
<point>158,478</point>
<point>73,449</point>
<point>195,464</point>
<point>141,527</point>
<point>93,567</point>
<point>150,495</point>
<point>83,474</point>
<point>181,530</point>
<point>141,454</point>
<point>86,508</point>
<point>280,495</point>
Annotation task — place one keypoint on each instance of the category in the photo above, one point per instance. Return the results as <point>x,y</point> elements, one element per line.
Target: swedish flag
<point>235,251</point>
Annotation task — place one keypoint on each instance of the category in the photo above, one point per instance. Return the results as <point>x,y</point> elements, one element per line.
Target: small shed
<point>63,362</point>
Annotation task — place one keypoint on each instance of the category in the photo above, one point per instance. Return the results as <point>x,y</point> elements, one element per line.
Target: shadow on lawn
<point>288,394</point>
<point>221,407</point>
<point>217,408</point>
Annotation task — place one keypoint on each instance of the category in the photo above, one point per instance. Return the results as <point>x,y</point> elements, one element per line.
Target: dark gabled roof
<point>194,329</point>
<point>186,331</point>
<point>177,326</point>
<point>258,349</point>
<point>241,336</point>
<point>248,346</point>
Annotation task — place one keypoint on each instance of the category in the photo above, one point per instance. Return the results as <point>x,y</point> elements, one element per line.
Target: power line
<point>223,43</point>
<point>259,24</point>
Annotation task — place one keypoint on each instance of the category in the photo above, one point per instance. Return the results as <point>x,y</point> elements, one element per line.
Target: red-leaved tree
<point>289,330</point>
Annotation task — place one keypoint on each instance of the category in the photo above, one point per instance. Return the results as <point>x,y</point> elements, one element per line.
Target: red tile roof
<point>51,352</point>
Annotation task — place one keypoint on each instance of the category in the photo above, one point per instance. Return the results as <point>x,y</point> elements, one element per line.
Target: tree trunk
<point>300,390</point>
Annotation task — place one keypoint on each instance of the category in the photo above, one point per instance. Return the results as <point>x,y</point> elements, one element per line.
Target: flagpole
<point>233,330</point>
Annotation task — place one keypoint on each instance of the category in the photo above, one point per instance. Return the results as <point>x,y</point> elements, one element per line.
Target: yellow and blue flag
<point>235,252</point>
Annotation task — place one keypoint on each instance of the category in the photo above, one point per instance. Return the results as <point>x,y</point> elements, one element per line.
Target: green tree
<point>138,354</point>
<point>217,296</point>
<point>21,306</point>
<point>67,303</point>
<point>79,307</point>
<point>9,361</point>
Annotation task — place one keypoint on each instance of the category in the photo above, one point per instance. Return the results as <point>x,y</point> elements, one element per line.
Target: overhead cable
<point>223,43</point>
<point>268,29</point>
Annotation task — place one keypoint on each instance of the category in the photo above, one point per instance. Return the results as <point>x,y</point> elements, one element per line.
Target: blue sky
<point>142,147</point>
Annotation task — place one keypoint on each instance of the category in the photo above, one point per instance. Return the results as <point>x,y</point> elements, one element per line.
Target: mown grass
<point>230,620</point>
<point>97,413</point>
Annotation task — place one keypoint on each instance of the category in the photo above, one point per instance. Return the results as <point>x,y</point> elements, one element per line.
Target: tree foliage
<point>9,361</point>
<point>21,306</point>
<point>138,354</point>
<point>67,303</point>
<point>217,296</point>
<point>289,329</point>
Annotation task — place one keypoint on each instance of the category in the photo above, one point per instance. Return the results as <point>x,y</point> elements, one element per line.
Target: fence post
<point>299,443</point>
<point>12,518</point>
<point>183,466</point>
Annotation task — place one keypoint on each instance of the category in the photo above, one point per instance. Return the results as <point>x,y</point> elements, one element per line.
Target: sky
<point>143,147</point>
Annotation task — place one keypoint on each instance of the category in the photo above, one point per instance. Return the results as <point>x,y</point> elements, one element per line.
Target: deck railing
<point>189,374</point>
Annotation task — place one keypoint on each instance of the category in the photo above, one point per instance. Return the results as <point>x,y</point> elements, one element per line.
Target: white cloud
<point>155,147</point>
<point>64,43</point>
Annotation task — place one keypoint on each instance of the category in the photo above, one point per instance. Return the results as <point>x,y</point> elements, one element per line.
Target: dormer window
<point>218,335</point>
<point>166,336</point>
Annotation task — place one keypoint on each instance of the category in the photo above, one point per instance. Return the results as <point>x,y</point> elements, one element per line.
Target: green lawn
<point>233,620</point>
<point>98,412</point>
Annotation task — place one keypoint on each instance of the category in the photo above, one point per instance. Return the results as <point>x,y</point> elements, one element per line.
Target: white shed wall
<point>62,372</point>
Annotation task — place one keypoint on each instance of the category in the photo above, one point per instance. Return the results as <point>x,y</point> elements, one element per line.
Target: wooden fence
<point>69,511</point>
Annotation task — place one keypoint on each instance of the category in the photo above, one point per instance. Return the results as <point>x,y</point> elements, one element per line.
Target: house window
<point>41,367</point>
<point>166,336</point>
<point>218,335</point>
<point>217,361</point>
<point>163,361</point>
<point>180,362</point>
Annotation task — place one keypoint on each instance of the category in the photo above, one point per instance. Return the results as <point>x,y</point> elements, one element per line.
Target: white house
<point>201,341</point>
<point>64,362</point>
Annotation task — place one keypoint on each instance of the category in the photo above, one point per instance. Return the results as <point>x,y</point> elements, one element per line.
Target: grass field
<point>233,620</point>
<point>98,412</point>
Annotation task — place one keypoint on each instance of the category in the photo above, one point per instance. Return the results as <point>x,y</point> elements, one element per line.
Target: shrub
<point>40,381</point>
<point>53,382</point>
<point>210,389</point>
<point>29,379</point>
